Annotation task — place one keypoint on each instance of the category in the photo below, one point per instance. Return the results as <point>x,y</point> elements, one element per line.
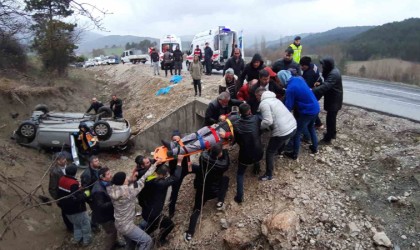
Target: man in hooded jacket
<point>252,70</point>
<point>332,90</point>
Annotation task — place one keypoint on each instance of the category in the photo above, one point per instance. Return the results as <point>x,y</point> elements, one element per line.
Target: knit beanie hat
<point>270,71</point>
<point>229,71</point>
<point>119,178</point>
<point>284,76</point>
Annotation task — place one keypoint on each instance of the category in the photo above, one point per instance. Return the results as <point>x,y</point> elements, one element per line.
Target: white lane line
<point>389,99</point>
<point>393,90</point>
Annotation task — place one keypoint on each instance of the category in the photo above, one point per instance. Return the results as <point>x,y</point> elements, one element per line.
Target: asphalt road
<point>392,98</point>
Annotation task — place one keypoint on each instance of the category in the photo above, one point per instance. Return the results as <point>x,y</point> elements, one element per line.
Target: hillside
<point>117,40</point>
<point>391,40</point>
<point>337,35</point>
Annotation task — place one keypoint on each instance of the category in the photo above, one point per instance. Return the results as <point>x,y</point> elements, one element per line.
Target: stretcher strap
<point>213,131</point>
<point>230,126</point>
<point>181,143</point>
<point>200,139</point>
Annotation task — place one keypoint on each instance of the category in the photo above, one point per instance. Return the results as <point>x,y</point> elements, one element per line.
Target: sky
<point>272,19</point>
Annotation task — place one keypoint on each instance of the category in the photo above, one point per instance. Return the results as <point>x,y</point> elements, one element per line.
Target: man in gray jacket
<point>276,118</point>
<point>123,197</point>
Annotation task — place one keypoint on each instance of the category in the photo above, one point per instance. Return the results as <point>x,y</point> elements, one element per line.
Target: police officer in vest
<point>297,49</point>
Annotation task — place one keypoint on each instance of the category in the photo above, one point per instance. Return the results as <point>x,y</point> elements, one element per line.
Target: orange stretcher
<point>161,152</point>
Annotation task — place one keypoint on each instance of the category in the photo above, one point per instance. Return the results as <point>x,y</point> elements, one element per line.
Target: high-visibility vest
<point>296,52</point>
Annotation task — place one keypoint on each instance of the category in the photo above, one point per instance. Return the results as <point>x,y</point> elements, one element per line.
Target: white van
<point>222,41</point>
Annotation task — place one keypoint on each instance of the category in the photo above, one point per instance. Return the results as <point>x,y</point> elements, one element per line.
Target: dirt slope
<point>347,183</point>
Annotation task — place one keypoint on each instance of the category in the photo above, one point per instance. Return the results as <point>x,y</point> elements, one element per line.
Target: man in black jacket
<point>74,206</point>
<point>221,106</point>
<point>251,70</point>
<point>286,63</point>
<point>208,54</point>
<point>88,178</point>
<point>247,135</point>
<point>95,105</point>
<point>312,78</point>
<point>154,56</point>
<point>235,62</point>
<point>102,208</point>
<point>116,106</point>
<point>155,189</point>
<point>266,82</point>
<point>209,183</point>
<point>178,58</point>
<point>332,90</point>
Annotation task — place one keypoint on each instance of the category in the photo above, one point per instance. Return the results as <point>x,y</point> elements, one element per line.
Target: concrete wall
<point>187,119</point>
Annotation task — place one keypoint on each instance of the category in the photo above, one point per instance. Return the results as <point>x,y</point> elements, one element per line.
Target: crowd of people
<point>281,100</point>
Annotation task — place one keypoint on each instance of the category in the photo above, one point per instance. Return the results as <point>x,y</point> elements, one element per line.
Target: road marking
<point>386,98</point>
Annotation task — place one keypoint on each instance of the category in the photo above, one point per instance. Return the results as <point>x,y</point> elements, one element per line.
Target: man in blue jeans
<point>299,96</point>
<point>247,135</point>
<point>277,119</point>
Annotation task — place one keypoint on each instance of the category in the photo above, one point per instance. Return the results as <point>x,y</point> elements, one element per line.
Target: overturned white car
<point>55,129</point>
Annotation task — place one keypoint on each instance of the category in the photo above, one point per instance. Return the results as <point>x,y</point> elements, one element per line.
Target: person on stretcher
<point>204,138</point>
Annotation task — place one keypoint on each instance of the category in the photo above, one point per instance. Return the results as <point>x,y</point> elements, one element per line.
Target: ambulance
<point>222,40</point>
<point>168,42</point>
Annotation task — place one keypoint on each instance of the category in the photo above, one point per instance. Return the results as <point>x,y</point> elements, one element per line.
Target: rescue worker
<point>229,83</point>
<point>252,70</point>
<point>300,97</point>
<point>123,193</point>
<point>297,49</point>
<point>102,208</point>
<point>153,200</point>
<point>88,178</point>
<point>212,164</point>
<point>277,119</point>
<point>332,90</point>
<point>57,171</point>
<point>95,105</point>
<point>74,206</point>
<point>116,106</point>
<point>236,62</point>
<point>197,52</point>
<point>87,140</point>
<point>247,136</point>
<point>167,61</point>
<point>208,57</point>
<point>178,58</point>
<point>286,63</point>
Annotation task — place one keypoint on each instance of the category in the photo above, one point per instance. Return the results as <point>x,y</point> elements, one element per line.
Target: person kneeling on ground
<point>209,183</point>
<point>153,199</point>
<point>204,138</point>
<point>123,195</point>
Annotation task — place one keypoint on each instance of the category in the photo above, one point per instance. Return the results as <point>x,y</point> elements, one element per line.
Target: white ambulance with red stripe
<point>222,41</point>
<point>168,42</point>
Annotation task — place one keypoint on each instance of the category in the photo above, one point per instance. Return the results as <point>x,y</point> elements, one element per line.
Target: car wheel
<point>27,130</point>
<point>104,112</point>
<point>102,130</point>
<point>42,107</point>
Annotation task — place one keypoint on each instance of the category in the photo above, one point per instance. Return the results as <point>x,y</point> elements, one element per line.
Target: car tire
<point>27,130</point>
<point>105,112</point>
<point>42,107</point>
<point>102,130</point>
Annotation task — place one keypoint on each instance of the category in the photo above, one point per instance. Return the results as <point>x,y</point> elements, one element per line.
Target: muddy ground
<point>340,195</point>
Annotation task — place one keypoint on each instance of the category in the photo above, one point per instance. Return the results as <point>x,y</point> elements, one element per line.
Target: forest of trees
<point>142,45</point>
<point>391,40</point>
